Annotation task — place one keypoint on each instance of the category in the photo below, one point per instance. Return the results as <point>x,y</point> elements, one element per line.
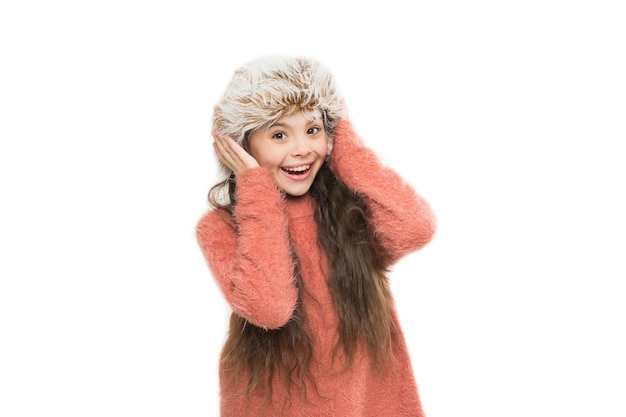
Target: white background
<point>509,117</point>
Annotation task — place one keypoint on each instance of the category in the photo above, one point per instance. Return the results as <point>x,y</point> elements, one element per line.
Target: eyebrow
<point>278,124</point>
<point>285,125</point>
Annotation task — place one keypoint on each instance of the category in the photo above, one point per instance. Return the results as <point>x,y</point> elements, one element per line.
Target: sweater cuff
<point>256,192</point>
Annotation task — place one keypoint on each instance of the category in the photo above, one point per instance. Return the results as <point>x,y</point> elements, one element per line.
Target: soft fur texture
<point>249,254</point>
<point>265,89</point>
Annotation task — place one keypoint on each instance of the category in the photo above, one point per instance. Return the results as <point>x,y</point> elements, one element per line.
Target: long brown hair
<point>359,289</point>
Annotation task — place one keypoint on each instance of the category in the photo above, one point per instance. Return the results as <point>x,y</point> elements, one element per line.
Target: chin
<point>296,191</point>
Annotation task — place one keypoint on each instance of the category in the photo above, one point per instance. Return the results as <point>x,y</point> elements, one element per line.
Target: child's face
<point>293,149</point>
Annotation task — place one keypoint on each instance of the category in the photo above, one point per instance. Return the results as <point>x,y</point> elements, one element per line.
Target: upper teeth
<point>298,169</point>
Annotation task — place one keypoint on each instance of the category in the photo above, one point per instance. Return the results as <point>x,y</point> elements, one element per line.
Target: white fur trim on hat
<point>270,87</point>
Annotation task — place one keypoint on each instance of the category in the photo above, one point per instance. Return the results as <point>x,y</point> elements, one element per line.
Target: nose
<point>301,146</point>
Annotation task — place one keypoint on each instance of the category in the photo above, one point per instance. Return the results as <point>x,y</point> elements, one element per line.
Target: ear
<point>329,148</point>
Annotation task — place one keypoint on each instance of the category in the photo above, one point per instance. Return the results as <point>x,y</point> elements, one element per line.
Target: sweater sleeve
<point>249,254</point>
<point>402,221</point>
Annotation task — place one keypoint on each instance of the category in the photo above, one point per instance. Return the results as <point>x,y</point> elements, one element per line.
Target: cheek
<point>323,148</point>
<point>267,157</point>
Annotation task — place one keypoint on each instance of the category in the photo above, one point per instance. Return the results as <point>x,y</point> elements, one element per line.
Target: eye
<point>279,135</point>
<point>313,130</point>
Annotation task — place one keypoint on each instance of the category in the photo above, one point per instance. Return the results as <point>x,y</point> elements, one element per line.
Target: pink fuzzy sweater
<point>251,261</point>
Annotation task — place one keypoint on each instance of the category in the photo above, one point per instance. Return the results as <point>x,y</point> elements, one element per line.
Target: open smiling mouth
<point>297,170</point>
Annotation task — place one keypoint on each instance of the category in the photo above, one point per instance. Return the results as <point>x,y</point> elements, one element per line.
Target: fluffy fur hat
<point>267,88</point>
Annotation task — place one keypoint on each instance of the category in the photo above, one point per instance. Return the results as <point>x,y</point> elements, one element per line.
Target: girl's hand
<point>231,154</point>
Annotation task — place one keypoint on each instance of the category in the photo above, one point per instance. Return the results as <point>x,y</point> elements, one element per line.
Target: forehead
<point>299,115</point>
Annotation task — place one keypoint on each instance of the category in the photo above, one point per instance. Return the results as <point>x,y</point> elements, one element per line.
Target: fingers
<point>231,154</point>
<point>225,153</point>
<point>222,150</point>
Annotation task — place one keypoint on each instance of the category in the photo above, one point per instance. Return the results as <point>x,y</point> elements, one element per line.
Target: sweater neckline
<point>302,206</point>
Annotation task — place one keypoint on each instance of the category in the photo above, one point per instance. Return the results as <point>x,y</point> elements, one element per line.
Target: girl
<point>300,238</point>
